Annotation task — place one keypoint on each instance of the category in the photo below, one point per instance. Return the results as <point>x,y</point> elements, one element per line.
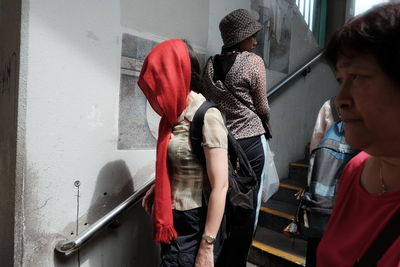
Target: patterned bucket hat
<point>237,26</point>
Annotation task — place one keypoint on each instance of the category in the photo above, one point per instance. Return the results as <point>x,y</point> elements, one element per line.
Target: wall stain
<point>44,204</point>
<point>114,184</point>
<point>7,72</point>
<point>91,35</point>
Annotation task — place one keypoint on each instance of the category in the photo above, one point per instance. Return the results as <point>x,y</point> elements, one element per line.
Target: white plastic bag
<point>270,177</point>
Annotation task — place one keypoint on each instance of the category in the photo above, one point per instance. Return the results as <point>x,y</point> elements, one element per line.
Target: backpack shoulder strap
<point>196,129</point>
<point>334,109</point>
<point>237,156</point>
<point>382,243</point>
<point>334,139</point>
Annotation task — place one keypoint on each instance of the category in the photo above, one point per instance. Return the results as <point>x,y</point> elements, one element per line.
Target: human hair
<point>375,33</point>
<point>196,80</point>
<point>232,48</point>
<point>236,47</point>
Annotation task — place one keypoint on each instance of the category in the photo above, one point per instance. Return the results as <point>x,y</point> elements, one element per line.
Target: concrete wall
<point>295,108</point>
<point>9,68</point>
<point>69,118</point>
<point>72,71</point>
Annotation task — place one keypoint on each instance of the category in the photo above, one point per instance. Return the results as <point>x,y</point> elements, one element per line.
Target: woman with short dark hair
<point>366,55</point>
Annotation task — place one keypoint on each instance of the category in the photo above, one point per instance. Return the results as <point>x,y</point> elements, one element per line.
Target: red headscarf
<point>165,81</point>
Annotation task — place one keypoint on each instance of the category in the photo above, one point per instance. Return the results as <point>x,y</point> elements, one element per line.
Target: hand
<point>270,125</point>
<point>205,255</point>
<point>148,199</point>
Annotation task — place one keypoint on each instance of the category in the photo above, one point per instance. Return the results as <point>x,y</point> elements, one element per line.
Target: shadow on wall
<point>126,242</point>
<point>114,185</point>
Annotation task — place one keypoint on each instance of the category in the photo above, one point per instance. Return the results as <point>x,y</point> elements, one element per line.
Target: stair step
<point>298,164</point>
<point>298,172</point>
<point>270,247</point>
<point>276,215</point>
<point>280,206</point>
<point>294,183</point>
<point>289,186</point>
<point>286,193</point>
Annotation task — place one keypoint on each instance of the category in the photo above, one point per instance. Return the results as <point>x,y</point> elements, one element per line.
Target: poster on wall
<point>138,123</point>
<point>275,37</point>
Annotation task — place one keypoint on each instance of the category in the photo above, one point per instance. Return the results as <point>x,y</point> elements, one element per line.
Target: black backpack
<point>325,168</point>
<point>241,199</point>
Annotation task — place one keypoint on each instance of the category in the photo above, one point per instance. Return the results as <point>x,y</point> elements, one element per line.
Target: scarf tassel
<point>165,234</point>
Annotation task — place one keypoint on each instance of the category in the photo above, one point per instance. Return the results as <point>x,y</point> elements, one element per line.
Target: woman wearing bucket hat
<point>236,82</point>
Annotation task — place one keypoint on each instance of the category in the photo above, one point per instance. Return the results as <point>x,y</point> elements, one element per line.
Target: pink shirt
<point>357,219</point>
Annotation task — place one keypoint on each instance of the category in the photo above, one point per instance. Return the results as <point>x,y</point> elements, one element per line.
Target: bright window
<point>363,5</point>
<point>306,8</point>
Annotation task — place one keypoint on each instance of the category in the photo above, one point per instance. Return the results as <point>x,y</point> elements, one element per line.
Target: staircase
<point>271,248</point>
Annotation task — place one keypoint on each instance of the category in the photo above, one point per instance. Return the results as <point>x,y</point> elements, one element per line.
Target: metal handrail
<point>71,245</point>
<point>300,70</point>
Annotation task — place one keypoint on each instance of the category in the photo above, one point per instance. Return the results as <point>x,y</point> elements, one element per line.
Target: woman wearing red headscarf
<point>186,228</point>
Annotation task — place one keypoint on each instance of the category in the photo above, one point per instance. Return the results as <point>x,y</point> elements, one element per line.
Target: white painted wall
<point>167,19</point>
<point>72,85</point>
<point>218,9</point>
<point>68,120</point>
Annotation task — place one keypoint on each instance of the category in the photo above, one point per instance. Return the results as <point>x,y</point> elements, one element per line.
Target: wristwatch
<point>209,239</point>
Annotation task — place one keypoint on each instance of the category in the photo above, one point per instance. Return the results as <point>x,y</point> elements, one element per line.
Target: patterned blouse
<point>186,173</point>
<point>247,79</point>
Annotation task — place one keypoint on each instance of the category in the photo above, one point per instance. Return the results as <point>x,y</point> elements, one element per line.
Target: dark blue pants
<point>183,250</point>
<point>236,247</point>
<point>253,148</point>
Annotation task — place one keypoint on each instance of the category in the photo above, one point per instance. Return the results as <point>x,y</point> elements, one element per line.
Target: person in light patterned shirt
<point>236,82</point>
